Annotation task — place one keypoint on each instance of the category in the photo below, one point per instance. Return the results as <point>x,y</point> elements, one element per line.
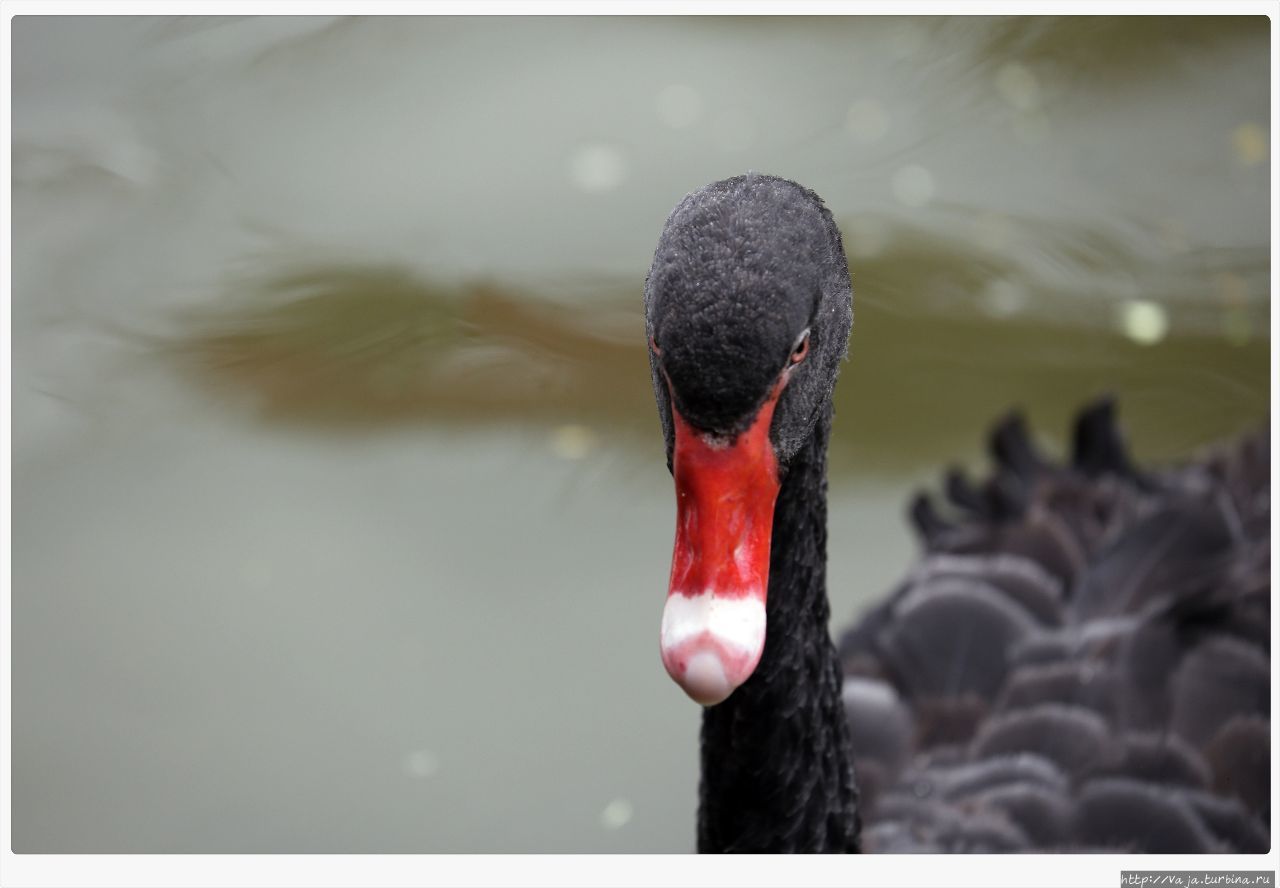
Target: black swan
<point>1080,661</point>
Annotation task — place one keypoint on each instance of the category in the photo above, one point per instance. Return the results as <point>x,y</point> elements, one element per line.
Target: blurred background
<point>340,515</point>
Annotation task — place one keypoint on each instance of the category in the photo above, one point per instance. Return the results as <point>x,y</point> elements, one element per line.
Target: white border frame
<point>321,871</point>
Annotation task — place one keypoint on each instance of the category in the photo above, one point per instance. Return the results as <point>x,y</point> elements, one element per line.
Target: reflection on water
<point>1114,48</point>
<point>365,347</point>
<point>339,515</point>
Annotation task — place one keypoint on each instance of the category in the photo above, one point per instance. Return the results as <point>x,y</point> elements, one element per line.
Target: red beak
<point>713,625</point>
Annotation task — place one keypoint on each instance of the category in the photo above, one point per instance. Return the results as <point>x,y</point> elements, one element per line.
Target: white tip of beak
<point>711,644</point>
<point>704,679</point>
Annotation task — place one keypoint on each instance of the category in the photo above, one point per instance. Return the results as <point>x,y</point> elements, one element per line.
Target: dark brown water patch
<point>362,348</point>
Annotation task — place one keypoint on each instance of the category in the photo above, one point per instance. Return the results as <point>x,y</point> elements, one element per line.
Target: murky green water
<point>339,515</point>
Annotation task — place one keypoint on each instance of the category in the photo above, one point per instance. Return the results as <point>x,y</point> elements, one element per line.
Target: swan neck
<point>777,770</point>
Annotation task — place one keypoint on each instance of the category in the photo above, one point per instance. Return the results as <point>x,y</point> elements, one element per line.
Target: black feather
<point>1079,662</point>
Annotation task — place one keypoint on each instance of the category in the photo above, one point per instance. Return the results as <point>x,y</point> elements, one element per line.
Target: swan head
<point>748,309</point>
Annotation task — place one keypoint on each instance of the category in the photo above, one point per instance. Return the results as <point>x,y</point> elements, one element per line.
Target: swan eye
<point>802,348</point>
<point>653,346</point>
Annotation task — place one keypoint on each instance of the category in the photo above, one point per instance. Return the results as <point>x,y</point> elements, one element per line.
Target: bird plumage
<point>1078,661</point>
